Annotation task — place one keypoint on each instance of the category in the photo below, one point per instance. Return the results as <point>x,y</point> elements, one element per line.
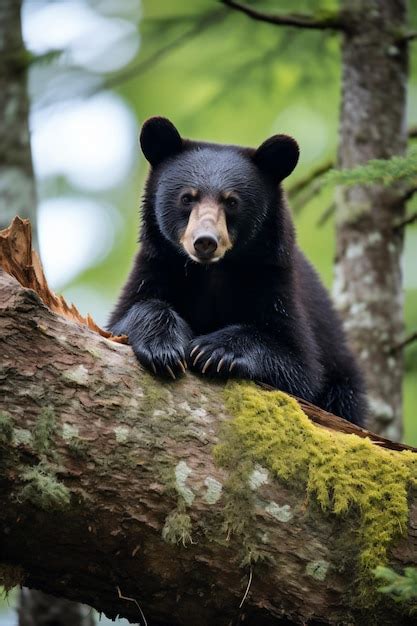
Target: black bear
<point>219,284</point>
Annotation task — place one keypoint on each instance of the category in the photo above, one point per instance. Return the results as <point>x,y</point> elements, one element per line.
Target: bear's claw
<point>198,356</point>
<point>219,360</point>
<point>219,366</point>
<point>194,350</point>
<point>165,361</point>
<point>182,365</point>
<point>171,373</point>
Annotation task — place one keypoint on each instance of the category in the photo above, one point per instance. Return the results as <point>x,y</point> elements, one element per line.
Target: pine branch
<point>400,587</point>
<point>378,171</point>
<point>332,22</point>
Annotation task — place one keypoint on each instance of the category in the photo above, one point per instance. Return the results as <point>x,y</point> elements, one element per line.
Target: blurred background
<point>101,67</point>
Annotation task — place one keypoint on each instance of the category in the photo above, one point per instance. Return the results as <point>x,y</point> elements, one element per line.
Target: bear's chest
<point>211,298</point>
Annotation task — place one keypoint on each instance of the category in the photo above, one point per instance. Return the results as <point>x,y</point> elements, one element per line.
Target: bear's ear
<point>159,139</point>
<point>277,156</point>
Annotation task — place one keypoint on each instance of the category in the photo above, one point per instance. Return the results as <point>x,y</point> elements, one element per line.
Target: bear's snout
<point>205,245</point>
<point>206,238</point>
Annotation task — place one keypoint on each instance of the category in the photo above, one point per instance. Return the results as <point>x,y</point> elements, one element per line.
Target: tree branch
<point>139,498</point>
<point>410,219</point>
<point>203,23</point>
<point>316,172</point>
<point>104,470</point>
<point>332,22</point>
<point>407,37</point>
<point>406,342</point>
<point>326,215</point>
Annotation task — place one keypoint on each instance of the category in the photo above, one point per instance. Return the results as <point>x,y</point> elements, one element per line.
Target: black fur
<point>262,307</point>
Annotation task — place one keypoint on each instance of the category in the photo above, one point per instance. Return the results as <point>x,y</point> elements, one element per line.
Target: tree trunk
<point>17,185</point>
<point>18,197</point>
<point>158,523</point>
<point>368,284</point>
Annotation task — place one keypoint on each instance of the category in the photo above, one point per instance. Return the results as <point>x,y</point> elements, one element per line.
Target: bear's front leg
<point>158,335</point>
<point>245,352</point>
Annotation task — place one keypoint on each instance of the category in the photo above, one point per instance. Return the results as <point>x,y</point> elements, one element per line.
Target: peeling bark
<point>17,185</point>
<point>368,283</point>
<point>133,456</point>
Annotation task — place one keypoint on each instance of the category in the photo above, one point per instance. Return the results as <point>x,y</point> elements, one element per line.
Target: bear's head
<point>212,199</point>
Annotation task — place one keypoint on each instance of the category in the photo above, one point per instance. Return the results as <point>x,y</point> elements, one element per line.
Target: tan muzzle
<point>206,238</point>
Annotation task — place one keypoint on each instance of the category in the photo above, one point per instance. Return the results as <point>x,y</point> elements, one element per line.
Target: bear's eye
<point>187,199</point>
<point>231,203</point>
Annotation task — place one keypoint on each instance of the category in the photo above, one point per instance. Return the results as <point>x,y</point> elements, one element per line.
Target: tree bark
<point>17,185</point>
<point>134,456</point>
<point>368,284</point>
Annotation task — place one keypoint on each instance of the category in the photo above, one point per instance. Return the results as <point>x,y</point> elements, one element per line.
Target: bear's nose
<point>205,245</point>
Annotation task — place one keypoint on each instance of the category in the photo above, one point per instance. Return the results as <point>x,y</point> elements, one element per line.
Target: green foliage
<point>383,171</point>
<point>400,587</point>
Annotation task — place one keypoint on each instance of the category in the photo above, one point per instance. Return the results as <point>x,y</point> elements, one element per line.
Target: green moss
<point>7,451</point>
<point>155,395</point>
<point>6,429</point>
<point>42,489</point>
<point>238,500</point>
<point>177,528</point>
<point>343,473</point>
<point>44,428</point>
<point>78,448</point>
<point>11,576</point>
